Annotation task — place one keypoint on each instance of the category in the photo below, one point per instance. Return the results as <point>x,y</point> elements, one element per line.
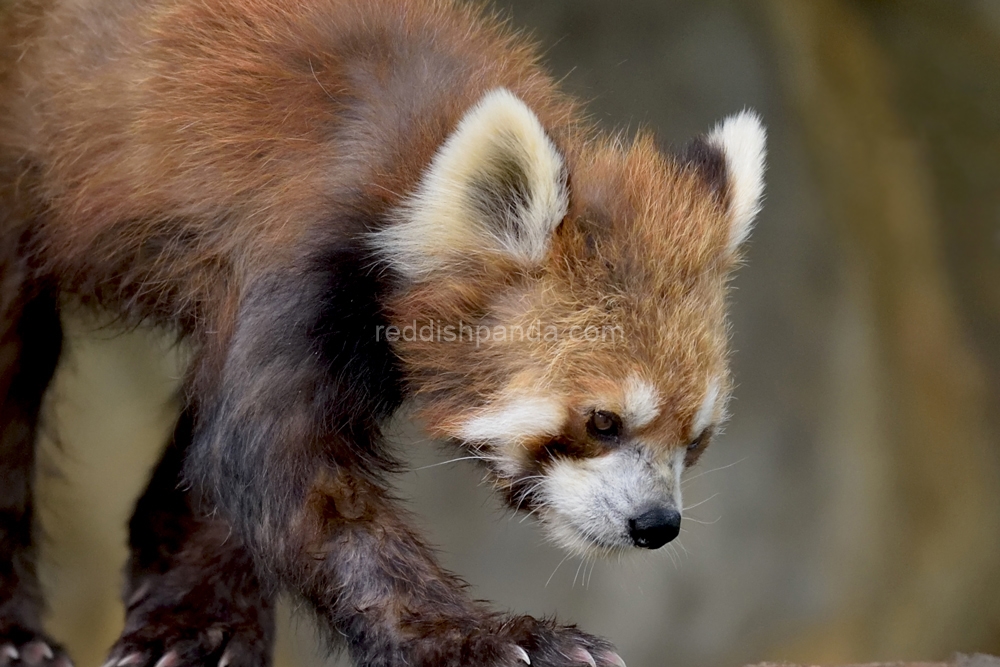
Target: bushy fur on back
<point>288,186</point>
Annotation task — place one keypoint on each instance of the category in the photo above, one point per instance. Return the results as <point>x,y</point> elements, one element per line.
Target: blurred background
<point>851,511</point>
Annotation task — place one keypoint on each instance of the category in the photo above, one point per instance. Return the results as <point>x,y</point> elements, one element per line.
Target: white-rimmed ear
<point>730,159</point>
<point>497,183</point>
<point>741,139</point>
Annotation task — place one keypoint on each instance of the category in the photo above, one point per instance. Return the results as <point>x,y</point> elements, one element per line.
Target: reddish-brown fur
<point>214,167</point>
<point>221,122</point>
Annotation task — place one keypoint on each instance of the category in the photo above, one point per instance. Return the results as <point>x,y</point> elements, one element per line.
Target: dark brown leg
<point>30,341</point>
<point>362,565</point>
<point>192,596</point>
<point>290,449</point>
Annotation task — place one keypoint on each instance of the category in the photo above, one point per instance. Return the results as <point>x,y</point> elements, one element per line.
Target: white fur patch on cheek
<point>642,402</point>
<point>515,420</point>
<point>706,415</point>
<point>742,138</point>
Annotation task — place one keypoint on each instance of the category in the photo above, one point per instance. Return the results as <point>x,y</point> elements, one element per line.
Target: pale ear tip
<point>742,139</point>
<point>747,115</point>
<point>499,91</point>
<point>501,95</point>
<point>747,123</point>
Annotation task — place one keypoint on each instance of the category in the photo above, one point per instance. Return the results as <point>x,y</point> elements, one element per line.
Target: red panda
<point>342,205</point>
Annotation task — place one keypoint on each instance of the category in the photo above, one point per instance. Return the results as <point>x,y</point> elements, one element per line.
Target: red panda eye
<point>696,443</point>
<point>604,424</point>
<point>696,447</point>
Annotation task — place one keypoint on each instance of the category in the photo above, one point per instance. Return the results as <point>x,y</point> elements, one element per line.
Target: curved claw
<point>225,660</point>
<point>130,659</point>
<point>522,654</point>
<point>8,654</point>
<point>34,652</point>
<point>582,655</point>
<point>169,659</point>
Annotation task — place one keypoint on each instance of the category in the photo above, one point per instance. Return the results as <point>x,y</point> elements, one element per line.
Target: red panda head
<point>563,312</point>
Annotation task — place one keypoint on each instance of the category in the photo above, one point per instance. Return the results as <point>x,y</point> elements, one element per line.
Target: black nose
<point>654,528</point>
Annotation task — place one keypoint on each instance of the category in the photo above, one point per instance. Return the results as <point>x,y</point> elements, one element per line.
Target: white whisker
<point>705,472</point>
<point>526,493</point>
<point>582,561</point>
<point>557,569</point>
<point>673,558</point>
<point>683,548</point>
<point>528,515</point>
<point>687,509</point>
<point>704,523</point>
<point>444,463</point>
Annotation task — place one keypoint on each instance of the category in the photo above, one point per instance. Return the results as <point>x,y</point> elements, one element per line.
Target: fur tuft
<point>497,184</point>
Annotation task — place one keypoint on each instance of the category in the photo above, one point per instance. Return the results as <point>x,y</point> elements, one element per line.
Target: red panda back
<point>177,147</point>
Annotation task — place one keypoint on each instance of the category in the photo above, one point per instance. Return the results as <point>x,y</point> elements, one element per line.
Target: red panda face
<point>567,313</point>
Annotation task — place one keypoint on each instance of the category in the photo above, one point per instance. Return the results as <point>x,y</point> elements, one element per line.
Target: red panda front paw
<point>168,645</point>
<point>21,647</point>
<point>545,643</point>
<point>515,642</point>
<point>220,645</point>
<point>209,626</point>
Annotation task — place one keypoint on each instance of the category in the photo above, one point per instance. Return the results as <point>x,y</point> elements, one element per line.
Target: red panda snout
<point>611,503</point>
